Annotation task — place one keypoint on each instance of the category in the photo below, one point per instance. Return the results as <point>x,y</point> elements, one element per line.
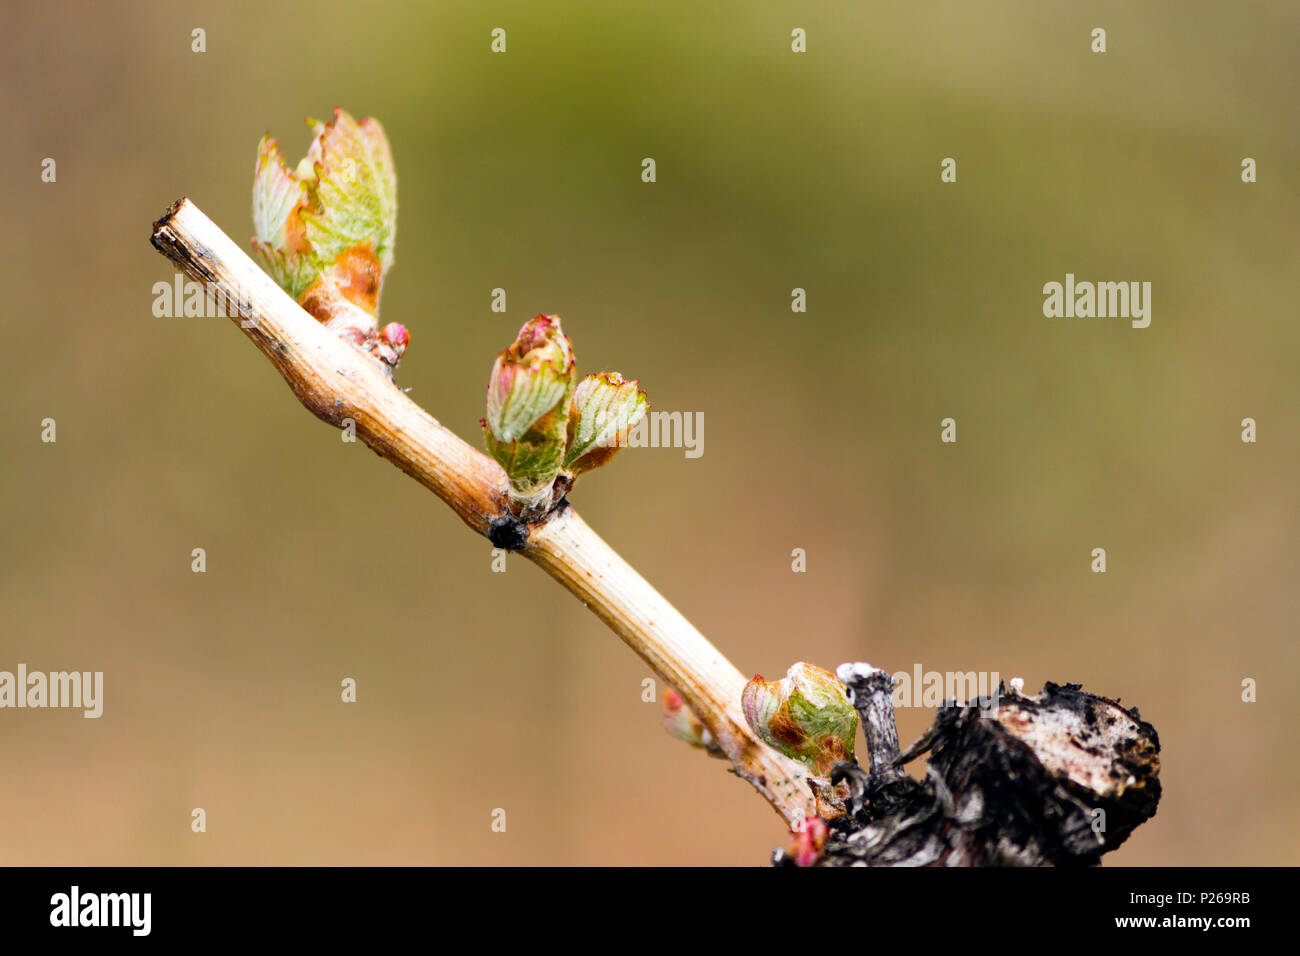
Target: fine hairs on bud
<point>325,230</point>
<point>543,427</point>
<point>806,715</point>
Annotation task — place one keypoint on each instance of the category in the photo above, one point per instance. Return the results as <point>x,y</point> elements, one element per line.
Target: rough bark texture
<point>1053,780</point>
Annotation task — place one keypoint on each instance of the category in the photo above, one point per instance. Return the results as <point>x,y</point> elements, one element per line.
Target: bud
<point>805,715</point>
<point>526,418</point>
<point>390,345</point>
<point>325,230</point>
<point>603,410</point>
<point>809,841</point>
<point>680,722</point>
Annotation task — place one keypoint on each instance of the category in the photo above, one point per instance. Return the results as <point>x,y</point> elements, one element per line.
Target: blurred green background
<point>775,170</point>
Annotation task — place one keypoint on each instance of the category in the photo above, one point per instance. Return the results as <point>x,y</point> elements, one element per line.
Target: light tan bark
<point>338,382</point>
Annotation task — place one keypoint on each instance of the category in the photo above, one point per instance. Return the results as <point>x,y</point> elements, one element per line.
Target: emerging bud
<point>805,715</point>
<point>809,841</point>
<point>526,411</point>
<point>325,231</point>
<point>603,410</point>
<point>390,344</point>
<point>395,334</point>
<point>680,722</point>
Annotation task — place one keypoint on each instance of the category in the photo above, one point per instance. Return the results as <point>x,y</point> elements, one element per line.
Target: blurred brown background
<point>775,170</point>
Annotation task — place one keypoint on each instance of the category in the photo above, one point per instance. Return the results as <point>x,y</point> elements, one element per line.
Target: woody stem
<point>338,383</point>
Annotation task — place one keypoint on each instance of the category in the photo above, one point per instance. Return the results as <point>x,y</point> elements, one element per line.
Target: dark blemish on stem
<point>507,532</point>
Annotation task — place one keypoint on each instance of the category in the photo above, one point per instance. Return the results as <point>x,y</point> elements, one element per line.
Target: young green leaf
<point>325,230</point>
<point>603,411</point>
<point>805,715</point>
<point>526,418</point>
